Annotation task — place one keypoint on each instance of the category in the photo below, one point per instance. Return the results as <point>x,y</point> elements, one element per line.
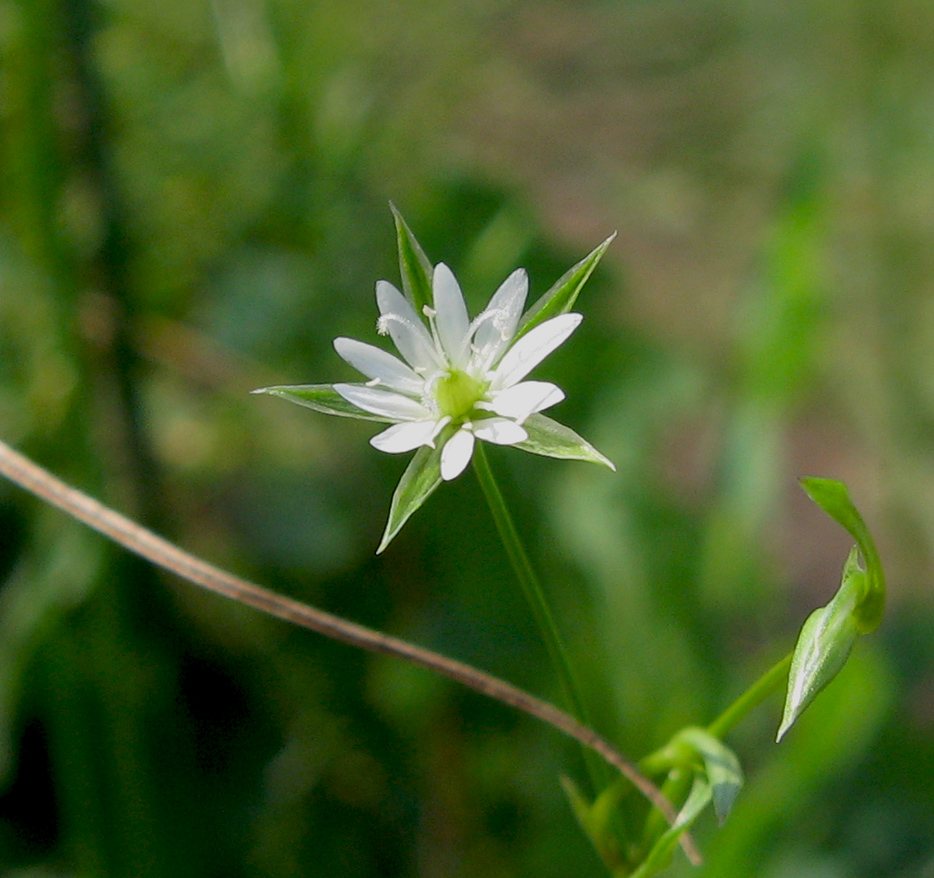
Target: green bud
<point>824,645</point>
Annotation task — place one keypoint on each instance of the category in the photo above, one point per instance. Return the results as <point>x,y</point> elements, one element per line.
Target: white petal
<point>383,402</point>
<point>499,431</point>
<point>456,454</point>
<point>451,315</point>
<point>532,348</point>
<point>409,334</point>
<point>405,437</point>
<point>376,363</point>
<point>526,398</point>
<point>496,325</point>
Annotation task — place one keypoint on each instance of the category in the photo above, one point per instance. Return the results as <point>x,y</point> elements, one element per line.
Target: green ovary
<point>456,394</point>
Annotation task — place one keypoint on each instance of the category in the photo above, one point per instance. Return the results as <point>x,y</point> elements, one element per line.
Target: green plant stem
<point>769,682</point>
<point>672,754</point>
<point>532,588</point>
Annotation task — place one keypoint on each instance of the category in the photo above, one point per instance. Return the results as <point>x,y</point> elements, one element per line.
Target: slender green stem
<point>528,579</point>
<point>768,683</point>
<point>671,754</point>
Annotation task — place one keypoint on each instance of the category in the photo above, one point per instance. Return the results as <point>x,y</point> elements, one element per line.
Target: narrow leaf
<point>561,297</point>
<point>321,398</point>
<point>825,642</point>
<point>601,821</point>
<point>551,439</point>
<point>834,498</point>
<point>414,265</point>
<point>721,764</point>
<point>579,803</point>
<point>660,856</point>
<point>419,481</point>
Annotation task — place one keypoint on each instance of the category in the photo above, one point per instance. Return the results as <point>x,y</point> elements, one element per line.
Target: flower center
<point>456,393</point>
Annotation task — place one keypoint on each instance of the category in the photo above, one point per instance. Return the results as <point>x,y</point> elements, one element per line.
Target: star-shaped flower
<point>455,372</point>
<point>457,380</point>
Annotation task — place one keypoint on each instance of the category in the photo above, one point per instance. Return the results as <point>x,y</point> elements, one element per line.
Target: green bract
<point>457,380</point>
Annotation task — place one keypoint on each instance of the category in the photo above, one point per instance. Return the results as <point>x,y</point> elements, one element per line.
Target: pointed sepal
<point>419,481</point>
<point>321,398</point>
<point>414,266</point>
<point>563,294</point>
<point>551,439</point>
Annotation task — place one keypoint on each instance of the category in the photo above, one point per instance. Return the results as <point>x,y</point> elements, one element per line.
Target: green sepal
<point>825,642</point>
<point>659,857</point>
<point>721,765</point>
<point>561,297</point>
<point>414,265</point>
<point>551,439</point>
<point>834,499</point>
<point>322,398</point>
<point>419,481</point>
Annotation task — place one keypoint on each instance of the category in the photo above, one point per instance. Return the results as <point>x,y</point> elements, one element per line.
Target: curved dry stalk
<point>153,548</point>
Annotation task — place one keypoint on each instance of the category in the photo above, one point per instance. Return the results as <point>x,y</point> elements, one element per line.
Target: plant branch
<point>28,475</point>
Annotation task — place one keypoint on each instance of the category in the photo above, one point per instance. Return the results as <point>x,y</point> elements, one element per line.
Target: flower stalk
<point>534,593</point>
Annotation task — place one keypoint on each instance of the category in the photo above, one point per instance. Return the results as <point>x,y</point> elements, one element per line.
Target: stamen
<point>431,313</point>
<point>382,325</point>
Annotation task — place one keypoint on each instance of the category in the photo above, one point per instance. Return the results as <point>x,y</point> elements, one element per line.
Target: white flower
<point>456,381</point>
<point>468,375</point>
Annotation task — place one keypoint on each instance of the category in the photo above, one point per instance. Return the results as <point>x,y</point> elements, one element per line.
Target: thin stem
<point>532,588</point>
<point>665,757</point>
<point>768,683</point>
<point>28,475</point>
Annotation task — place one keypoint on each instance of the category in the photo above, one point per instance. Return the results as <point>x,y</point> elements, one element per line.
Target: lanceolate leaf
<point>561,297</point>
<point>834,499</point>
<point>721,765</point>
<point>321,398</point>
<point>660,855</point>
<point>551,439</point>
<point>414,265</point>
<point>418,483</point>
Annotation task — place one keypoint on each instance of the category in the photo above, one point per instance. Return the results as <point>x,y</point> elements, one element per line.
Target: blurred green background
<point>194,202</point>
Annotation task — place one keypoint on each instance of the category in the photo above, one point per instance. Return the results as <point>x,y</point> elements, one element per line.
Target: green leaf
<point>551,439</point>
<point>601,821</point>
<point>824,645</point>
<point>322,398</point>
<point>414,266</point>
<point>834,499</point>
<point>660,856</point>
<point>562,296</point>
<point>419,481</point>
<point>724,772</point>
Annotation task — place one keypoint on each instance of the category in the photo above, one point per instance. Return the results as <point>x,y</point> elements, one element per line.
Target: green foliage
<point>193,204</point>
<point>829,633</point>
